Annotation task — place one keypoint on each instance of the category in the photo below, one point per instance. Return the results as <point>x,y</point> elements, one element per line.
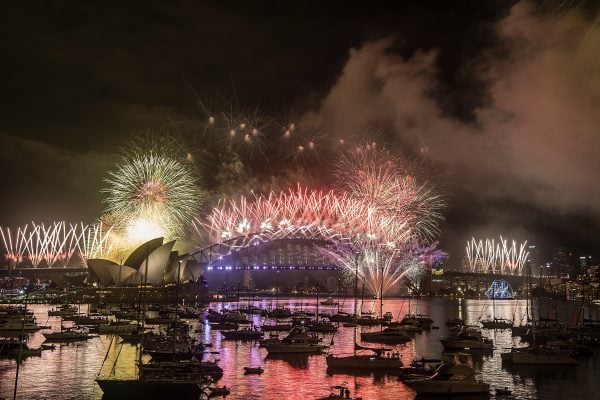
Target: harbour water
<point>68,371</point>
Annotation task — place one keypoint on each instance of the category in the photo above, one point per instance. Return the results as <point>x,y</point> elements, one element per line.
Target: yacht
<point>390,335</point>
<point>163,379</point>
<point>298,341</point>
<point>67,335</point>
<point>454,377</point>
<point>368,360</point>
<point>242,334</point>
<point>470,337</point>
<point>538,356</point>
<point>497,323</point>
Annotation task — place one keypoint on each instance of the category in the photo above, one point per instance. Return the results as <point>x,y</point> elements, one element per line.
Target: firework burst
<point>156,195</point>
<point>392,193</point>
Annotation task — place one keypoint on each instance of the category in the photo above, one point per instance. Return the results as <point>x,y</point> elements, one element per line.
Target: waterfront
<point>68,372</point>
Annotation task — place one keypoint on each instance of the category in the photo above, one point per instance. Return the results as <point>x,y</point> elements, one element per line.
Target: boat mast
<point>145,282</point>
<point>355,296</point>
<point>317,304</point>
<point>381,299</point>
<point>175,328</point>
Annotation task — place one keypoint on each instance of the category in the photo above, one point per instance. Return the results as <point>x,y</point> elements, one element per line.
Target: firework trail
<point>55,244</point>
<point>499,257</point>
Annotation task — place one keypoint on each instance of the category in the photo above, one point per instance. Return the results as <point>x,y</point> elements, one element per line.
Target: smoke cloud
<point>534,141</point>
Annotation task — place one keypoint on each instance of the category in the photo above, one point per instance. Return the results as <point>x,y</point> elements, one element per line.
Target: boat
<point>383,360</point>
<point>62,311</point>
<point>503,392</point>
<point>219,391</point>
<point>162,380</point>
<point>390,335</point>
<point>497,323</point>
<point>242,334</point>
<point>276,327</point>
<point>17,325</point>
<point>454,377</point>
<point>538,356</point>
<point>117,328</point>
<point>253,370</point>
<point>340,392</point>
<point>68,335</point>
<point>329,302</point>
<point>469,338</point>
<point>298,341</point>
<point>322,326</point>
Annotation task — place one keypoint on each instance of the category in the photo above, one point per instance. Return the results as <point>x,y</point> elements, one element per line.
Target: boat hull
<point>133,387</point>
<point>429,387</point>
<point>292,349</point>
<point>466,344</point>
<point>364,362</point>
<point>524,358</point>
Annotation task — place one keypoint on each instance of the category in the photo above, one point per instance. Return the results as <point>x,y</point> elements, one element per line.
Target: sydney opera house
<point>153,263</point>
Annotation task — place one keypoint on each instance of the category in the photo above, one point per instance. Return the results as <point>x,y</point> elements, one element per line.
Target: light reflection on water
<point>68,372</point>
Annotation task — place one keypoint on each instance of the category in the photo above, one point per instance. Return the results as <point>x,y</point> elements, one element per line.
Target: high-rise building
<point>561,263</point>
<point>533,258</point>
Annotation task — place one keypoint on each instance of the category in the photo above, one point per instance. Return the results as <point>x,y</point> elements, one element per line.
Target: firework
<point>294,213</point>
<point>156,195</point>
<point>384,183</point>
<point>55,244</point>
<point>94,241</point>
<point>15,244</point>
<point>380,268</point>
<point>498,257</point>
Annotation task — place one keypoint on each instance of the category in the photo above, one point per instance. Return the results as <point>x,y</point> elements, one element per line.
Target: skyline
<point>504,116</point>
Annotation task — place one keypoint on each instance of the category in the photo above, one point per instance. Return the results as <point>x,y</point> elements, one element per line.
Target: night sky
<point>500,97</point>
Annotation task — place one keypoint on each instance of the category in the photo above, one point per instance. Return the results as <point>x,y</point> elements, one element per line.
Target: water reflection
<point>68,371</point>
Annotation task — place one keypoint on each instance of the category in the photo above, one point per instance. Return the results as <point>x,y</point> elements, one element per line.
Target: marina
<point>250,371</point>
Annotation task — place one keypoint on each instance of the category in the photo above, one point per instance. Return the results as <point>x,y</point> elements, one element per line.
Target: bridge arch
<point>260,251</point>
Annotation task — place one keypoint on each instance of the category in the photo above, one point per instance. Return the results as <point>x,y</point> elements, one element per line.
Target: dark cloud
<point>53,183</point>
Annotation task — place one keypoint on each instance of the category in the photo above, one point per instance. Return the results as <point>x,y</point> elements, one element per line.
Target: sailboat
<point>537,355</point>
<point>496,323</point>
<point>369,359</point>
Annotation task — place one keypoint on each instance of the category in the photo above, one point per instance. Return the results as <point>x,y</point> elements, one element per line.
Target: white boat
<point>450,378</point>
